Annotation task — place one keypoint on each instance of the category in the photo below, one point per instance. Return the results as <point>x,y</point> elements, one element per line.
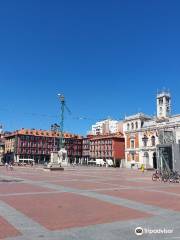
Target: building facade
<point>107,126</point>
<point>2,147</point>
<point>73,145</point>
<point>108,147</point>
<point>143,134</point>
<point>85,150</point>
<point>38,145</point>
<point>133,126</point>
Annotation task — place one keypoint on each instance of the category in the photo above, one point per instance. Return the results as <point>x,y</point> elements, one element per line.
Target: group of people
<point>9,166</point>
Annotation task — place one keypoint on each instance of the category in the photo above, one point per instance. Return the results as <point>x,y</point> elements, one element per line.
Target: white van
<point>100,162</point>
<point>24,161</point>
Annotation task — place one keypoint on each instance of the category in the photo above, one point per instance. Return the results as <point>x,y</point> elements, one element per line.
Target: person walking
<point>6,165</point>
<point>11,166</point>
<point>142,167</point>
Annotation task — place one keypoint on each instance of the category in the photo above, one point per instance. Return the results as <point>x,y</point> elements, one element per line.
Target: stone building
<point>144,134</point>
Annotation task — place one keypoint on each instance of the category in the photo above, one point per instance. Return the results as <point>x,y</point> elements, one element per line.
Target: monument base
<point>53,169</point>
<point>58,161</point>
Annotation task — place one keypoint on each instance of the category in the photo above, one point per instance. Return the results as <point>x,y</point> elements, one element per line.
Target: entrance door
<point>146,158</point>
<point>118,163</point>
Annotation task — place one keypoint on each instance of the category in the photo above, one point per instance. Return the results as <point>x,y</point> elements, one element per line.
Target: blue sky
<point>107,57</point>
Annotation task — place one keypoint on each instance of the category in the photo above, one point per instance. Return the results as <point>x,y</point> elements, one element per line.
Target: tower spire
<point>163,104</point>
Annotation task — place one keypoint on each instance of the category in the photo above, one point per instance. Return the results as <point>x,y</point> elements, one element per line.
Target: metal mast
<point>61,142</point>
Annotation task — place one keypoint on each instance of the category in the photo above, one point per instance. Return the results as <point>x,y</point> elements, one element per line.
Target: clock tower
<point>163,104</point>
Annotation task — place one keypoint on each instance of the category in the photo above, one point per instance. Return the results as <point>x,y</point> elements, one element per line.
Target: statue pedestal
<point>53,168</point>
<point>58,160</point>
<point>62,157</point>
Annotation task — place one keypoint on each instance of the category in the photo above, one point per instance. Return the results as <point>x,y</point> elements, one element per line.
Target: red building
<point>73,145</point>
<point>86,149</point>
<point>108,147</point>
<point>38,145</point>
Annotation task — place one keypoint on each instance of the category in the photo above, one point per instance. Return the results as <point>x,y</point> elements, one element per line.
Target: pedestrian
<point>142,167</point>
<point>11,166</point>
<point>6,165</point>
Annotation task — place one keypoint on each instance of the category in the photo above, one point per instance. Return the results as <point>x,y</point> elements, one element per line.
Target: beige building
<point>144,134</point>
<point>105,127</point>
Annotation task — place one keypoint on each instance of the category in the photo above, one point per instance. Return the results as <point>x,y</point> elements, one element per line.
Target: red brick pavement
<point>126,183</point>
<point>162,200</point>
<point>66,210</point>
<point>7,230</point>
<point>21,188</point>
<point>48,177</point>
<point>85,185</point>
<point>173,188</point>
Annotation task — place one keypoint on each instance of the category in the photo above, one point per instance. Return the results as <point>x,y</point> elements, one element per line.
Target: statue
<point>58,159</point>
<point>62,157</point>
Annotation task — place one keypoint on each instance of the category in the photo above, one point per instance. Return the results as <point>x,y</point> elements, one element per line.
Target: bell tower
<point>163,104</point>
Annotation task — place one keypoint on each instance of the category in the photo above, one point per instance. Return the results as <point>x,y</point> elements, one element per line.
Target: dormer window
<point>128,126</point>
<point>136,125</point>
<point>132,126</point>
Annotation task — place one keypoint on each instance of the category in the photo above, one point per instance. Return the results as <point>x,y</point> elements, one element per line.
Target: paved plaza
<point>86,203</point>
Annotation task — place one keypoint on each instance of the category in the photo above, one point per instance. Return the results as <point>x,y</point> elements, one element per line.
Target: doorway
<point>146,158</point>
<point>154,160</point>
